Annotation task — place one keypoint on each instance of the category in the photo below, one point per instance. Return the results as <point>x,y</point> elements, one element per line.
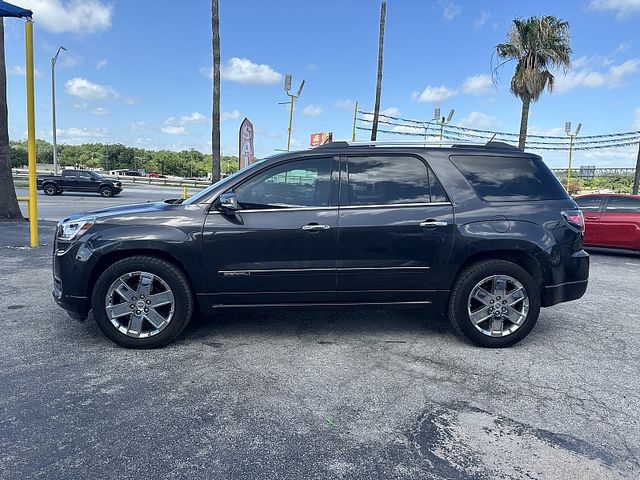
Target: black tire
<point>467,280</point>
<point>50,189</point>
<point>106,192</point>
<point>169,273</point>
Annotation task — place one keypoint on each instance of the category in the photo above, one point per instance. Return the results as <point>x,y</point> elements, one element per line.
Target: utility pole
<point>53,109</point>
<point>442,121</point>
<point>355,119</point>
<point>292,99</point>
<point>572,136</point>
<point>636,178</point>
<point>376,108</point>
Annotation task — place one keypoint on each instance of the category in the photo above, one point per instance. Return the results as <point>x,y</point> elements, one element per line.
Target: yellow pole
<point>185,193</point>
<point>31,137</point>
<point>570,155</point>
<point>355,117</point>
<point>290,122</point>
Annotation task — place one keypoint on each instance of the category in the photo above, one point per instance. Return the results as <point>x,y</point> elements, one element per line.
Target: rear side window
<point>623,205</point>
<point>503,179</point>
<point>392,180</point>
<point>589,204</point>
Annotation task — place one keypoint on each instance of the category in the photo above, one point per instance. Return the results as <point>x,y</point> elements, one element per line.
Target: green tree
<point>536,44</point>
<point>9,209</point>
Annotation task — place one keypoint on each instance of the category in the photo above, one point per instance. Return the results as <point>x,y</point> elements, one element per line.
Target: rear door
<point>620,222</point>
<point>591,208</point>
<point>396,230</point>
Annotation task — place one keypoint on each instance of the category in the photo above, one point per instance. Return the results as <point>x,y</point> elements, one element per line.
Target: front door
<point>280,246</point>
<point>85,182</point>
<point>396,231</point>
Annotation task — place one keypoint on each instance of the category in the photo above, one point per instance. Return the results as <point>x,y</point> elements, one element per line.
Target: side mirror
<point>229,202</point>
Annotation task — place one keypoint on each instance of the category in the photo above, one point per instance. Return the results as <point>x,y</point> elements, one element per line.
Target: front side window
<point>84,177</point>
<point>392,180</point>
<point>302,183</point>
<point>589,204</point>
<point>623,205</point>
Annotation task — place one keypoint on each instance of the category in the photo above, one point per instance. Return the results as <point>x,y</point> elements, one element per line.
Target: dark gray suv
<point>482,233</point>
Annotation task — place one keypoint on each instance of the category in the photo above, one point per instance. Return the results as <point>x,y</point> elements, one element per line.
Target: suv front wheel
<point>142,302</point>
<point>494,303</point>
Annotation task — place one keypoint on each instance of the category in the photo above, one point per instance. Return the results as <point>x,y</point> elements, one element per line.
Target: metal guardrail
<point>167,182</point>
<point>594,172</point>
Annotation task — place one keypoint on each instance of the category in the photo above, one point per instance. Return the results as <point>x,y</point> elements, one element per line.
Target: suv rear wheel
<point>142,302</point>
<point>494,303</point>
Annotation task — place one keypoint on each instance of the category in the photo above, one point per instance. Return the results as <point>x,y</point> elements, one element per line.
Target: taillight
<point>574,218</point>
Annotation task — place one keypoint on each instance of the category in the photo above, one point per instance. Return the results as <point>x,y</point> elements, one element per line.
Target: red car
<point>612,220</point>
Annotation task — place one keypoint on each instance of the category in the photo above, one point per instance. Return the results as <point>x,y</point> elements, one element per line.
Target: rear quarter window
<point>504,178</point>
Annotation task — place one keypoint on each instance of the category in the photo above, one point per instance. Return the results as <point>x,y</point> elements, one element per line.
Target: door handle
<point>432,223</point>
<point>592,218</point>
<point>314,227</point>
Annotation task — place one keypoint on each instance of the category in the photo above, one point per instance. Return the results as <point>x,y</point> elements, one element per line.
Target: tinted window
<point>509,178</point>
<point>623,205</point>
<point>391,180</point>
<point>303,183</point>
<point>589,204</point>
<point>84,176</point>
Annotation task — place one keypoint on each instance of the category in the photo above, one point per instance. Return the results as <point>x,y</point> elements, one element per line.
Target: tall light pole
<point>442,121</point>
<point>572,136</point>
<point>292,99</point>
<point>53,108</point>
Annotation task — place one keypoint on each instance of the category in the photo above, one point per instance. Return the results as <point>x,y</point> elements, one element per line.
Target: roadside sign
<point>245,151</point>
<point>318,139</point>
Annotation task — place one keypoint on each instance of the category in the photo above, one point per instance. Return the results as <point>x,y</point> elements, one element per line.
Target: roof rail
<point>444,143</point>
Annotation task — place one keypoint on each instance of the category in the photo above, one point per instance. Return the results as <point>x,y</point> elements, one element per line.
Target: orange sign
<point>318,139</point>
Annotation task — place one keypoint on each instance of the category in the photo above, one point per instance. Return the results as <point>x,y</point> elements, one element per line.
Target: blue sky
<point>137,73</point>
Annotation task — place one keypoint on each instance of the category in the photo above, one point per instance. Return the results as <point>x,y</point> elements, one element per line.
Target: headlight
<point>74,229</point>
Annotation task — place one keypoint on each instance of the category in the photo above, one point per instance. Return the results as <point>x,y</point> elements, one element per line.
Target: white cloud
<point>67,60</point>
<point>390,112</point>
<point>22,72</point>
<point>479,120</point>
<point>586,77</point>
<point>74,16</point>
<point>195,117</point>
<point>477,84</point>
<point>346,104</point>
<point>243,70</point>
<point>547,132</point>
<point>434,94</point>
<point>101,64</point>
<point>479,22</point>
<point>233,115</point>
<point>99,111</point>
<point>450,9</point>
<point>138,126</point>
<point>623,47</point>
<point>173,130</point>
<point>636,123</point>
<point>83,88</point>
<point>80,134</point>
<point>622,8</point>
<point>312,110</point>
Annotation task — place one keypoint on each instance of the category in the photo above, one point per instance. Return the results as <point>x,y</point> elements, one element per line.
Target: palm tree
<point>536,44</point>
<point>215,121</point>
<point>9,209</point>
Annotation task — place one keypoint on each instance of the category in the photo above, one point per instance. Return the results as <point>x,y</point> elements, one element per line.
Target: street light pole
<point>442,121</point>
<point>53,109</point>
<point>292,99</point>
<point>572,136</point>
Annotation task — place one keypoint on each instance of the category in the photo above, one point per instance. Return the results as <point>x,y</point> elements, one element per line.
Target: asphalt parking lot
<point>58,207</point>
<point>321,394</point>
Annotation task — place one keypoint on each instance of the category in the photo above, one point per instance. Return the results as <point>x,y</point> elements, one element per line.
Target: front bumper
<point>76,306</point>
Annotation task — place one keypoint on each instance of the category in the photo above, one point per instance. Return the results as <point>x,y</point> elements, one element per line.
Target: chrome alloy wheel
<point>139,304</point>
<point>498,305</point>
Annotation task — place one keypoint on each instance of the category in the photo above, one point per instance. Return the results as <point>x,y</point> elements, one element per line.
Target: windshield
<point>198,197</point>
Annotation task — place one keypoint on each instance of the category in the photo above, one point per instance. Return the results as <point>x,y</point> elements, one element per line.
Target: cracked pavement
<point>318,394</point>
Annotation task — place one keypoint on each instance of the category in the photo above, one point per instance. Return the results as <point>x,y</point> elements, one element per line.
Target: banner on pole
<point>318,139</point>
<point>245,151</point>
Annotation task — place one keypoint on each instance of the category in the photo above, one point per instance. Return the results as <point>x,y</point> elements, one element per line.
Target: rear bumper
<point>573,282</point>
<point>564,292</point>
